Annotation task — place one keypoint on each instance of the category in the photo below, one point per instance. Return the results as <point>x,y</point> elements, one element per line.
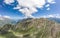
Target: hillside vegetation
<point>31,28</point>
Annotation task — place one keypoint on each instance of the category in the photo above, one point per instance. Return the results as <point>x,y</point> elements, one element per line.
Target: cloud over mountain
<point>29,7</point>
<point>4,17</point>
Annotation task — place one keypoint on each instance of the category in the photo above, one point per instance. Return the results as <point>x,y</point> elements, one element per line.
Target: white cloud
<point>51,1</point>
<point>47,5</point>
<point>3,17</point>
<point>0,15</point>
<point>8,1</point>
<point>48,9</point>
<point>30,6</point>
<point>51,15</point>
<point>7,17</point>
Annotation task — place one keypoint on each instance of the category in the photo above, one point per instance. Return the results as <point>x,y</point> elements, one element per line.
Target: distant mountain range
<point>51,18</point>
<point>12,21</point>
<point>55,19</point>
<point>4,21</point>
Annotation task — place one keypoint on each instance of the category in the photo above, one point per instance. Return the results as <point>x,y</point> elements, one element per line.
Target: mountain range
<point>31,28</point>
<point>55,19</point>
<point>4,21</point>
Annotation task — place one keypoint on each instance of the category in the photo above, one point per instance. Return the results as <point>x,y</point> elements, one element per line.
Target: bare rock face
<point>42,28</point>
<point>5,28</point>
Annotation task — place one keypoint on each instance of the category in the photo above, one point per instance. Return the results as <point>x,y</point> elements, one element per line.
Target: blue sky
<point>7,10</point>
